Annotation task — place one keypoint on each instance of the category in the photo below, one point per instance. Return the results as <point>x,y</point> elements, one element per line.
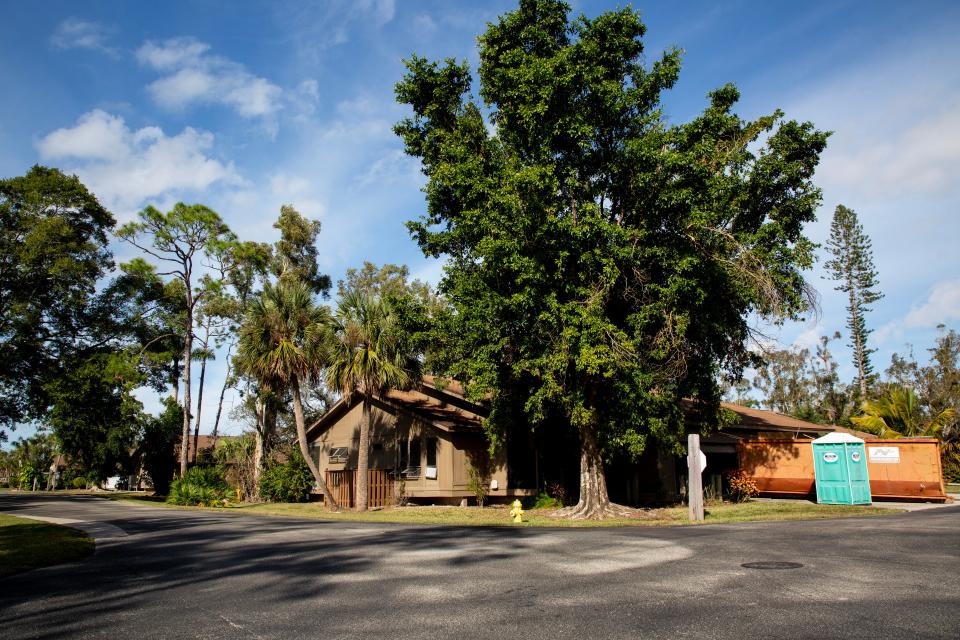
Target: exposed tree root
<point>596,511</point>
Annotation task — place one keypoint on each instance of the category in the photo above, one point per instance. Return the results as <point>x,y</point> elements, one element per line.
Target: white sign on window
<point>884,455</point>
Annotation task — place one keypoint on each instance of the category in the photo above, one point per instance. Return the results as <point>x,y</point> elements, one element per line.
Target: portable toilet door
<point>840,467</point>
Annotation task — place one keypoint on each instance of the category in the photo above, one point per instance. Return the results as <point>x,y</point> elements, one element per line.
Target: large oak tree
<point>603,261</point>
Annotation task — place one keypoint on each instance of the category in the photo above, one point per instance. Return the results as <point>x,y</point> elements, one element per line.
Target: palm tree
<point>280,345</point>
<point>366,355</point>
<point>897,414</point>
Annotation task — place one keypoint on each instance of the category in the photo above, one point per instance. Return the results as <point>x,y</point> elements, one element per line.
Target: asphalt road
<point>161,573</point>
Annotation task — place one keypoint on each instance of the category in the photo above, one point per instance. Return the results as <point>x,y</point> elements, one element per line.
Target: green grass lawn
<point>28,544</point>
<point>499,515</point>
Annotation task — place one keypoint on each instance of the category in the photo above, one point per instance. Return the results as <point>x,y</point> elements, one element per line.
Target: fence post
<point>695,478</point>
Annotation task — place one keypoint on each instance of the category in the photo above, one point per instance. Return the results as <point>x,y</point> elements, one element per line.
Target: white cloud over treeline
<point>125,167</point>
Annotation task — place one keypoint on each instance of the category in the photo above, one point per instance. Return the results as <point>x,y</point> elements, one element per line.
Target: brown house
<point>425,442</point>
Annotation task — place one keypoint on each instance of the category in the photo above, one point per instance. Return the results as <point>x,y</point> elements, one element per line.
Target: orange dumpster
<point>905,469</point>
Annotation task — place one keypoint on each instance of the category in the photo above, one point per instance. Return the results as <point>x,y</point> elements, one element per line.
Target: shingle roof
<point>440,404</point>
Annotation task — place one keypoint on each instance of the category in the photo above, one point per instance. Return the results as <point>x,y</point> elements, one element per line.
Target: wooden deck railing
<point>343,486</point>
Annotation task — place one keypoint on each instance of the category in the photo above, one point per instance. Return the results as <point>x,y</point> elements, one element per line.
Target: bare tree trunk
<point>363,456</point>
<point>302,439</point>
<point>594,503</point>
<point>223,392</point>
<point>196,426</point>
<point>175,380</point>
<point>187,351</point>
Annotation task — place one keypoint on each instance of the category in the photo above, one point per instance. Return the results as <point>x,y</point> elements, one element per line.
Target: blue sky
<point>244,106</point>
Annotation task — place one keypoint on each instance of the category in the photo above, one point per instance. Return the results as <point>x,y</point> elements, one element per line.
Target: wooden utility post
<point>695,469</point>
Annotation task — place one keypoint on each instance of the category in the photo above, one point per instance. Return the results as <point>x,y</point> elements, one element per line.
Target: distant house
<point>425,443</point>
<point>205,446</point>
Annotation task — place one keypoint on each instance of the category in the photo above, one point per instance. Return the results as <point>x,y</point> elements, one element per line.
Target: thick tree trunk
<point>187,350</point>
<point>363,456</point>
<point>302,439</point>
<point>594,503</point>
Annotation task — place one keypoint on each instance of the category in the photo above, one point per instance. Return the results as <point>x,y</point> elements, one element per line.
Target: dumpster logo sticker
<point>855,456</point>
<point>830,456</point>
<point>884,455</point>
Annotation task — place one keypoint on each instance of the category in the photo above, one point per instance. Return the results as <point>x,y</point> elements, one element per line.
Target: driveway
<point>161,573</point>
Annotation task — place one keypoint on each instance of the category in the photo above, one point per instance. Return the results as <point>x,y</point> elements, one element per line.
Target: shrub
<point>543,501</point>
<point>558,492</point>
<point>79,483</point>
<point>478,485</point>
<point>236,456</point>
<point>201,486</point>
<point>742,485</point>
<point>287,482</point>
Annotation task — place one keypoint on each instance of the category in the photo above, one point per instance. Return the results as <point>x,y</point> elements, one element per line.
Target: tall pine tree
<point>852,267</point>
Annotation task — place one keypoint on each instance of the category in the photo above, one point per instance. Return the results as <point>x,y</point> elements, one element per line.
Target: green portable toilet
<point>840,466</point>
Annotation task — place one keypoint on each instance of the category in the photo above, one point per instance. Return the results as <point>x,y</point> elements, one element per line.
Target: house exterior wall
<point>392,435</point>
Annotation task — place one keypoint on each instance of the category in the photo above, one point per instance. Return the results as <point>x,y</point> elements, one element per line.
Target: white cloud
<point>808,339</point>
<point>172,54</point>
<point>74,33</point>
<point>941,306</point>
<point>96,136</point>
<point>195,76</point>
<point>895,118</point>
<point>921,157</point>
<point>298,192</point>
<point>127,168</point>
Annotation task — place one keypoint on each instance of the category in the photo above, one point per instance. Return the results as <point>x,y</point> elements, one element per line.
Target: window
<point>338,455</point>
<point>316,449</point>
<point>430,472</point>
<point>410,458</point>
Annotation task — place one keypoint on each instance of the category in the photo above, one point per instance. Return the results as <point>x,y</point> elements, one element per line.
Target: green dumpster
<point>840,466</point>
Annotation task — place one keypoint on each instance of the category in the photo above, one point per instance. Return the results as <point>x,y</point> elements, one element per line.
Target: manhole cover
<point>771,565</point>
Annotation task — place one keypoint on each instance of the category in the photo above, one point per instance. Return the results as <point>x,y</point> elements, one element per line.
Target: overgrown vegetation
<point>290,481</point>
<point>742,486</point>
<point>200,486</point>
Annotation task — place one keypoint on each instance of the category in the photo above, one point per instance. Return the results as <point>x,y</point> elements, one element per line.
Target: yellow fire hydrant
<point>517,512</point>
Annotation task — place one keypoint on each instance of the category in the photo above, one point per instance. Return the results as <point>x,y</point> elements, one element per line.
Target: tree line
<point>603,264</point>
